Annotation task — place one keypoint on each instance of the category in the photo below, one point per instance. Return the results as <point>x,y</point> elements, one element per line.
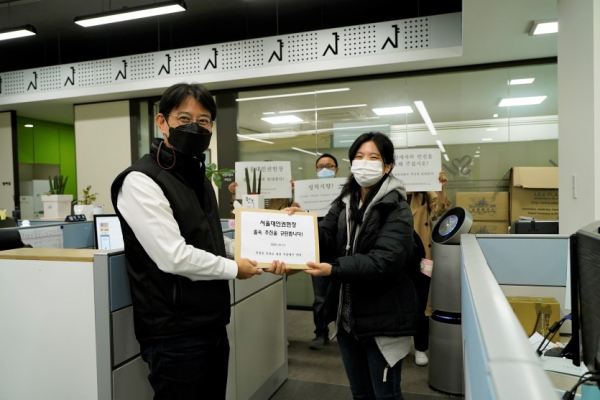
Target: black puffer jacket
<point>384,301</point>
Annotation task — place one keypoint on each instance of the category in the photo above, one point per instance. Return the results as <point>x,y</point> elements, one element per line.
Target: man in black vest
<point>176,253</point>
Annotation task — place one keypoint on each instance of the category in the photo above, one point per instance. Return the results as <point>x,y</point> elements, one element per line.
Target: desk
<point>67,329</point>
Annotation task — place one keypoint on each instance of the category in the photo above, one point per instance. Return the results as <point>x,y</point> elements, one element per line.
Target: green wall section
<point>48,143</point>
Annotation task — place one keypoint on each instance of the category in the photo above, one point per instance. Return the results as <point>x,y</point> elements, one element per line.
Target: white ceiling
<point>493,31</point>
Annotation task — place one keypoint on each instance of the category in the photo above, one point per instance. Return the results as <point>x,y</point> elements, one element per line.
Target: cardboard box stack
<point>534,193</point>
<point>489,210</point>
<point>536,314</point>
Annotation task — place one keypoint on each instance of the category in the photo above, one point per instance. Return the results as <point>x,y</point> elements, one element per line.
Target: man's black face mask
<point>190,139</point>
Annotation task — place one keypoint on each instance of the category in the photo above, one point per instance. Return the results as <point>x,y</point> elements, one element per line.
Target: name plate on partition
<point>267,235</point>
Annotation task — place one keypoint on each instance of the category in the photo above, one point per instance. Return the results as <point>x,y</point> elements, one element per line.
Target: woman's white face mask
<point>367,173</point>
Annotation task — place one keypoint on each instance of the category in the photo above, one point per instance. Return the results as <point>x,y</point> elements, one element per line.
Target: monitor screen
<point>107,232</point>
<point>585,281</point>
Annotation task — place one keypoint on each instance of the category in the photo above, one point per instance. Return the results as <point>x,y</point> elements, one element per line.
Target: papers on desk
<point>556,364</point>
<point>562,365</point>
<point>536,339</point>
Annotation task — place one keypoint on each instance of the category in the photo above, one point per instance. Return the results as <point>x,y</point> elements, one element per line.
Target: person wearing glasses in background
<point>327,167</point>
<point>176,254</point>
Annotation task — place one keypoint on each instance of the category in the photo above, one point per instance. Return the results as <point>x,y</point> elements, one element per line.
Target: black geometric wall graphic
<point>71,79</point>
<point>331,45</point>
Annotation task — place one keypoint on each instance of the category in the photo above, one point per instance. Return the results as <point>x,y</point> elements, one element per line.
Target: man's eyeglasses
<point>328,166</point>
<point>186,119</point>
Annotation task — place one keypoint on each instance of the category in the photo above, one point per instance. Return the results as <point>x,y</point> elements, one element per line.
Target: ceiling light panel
<point>276,96</point>
<point>543,27</point>
<point>127,14</point>
<point>283,119</point>
<point>521,101</point>
<point>523,81</point>
<point>17,32</point>
<point>425,115</point>
<point>393,110</point>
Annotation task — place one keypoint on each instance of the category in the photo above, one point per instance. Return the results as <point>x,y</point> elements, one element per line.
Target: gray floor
<point>320,374</point>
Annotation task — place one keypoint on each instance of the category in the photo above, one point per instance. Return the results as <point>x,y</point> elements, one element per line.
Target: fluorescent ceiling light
<point>441,146</point>
<point>393,110</point>
<point>320,109</point>
<point>361,126</point>
<point>476,156</point>
<point>28,126</point>
<point>446,157</point>
<point>543,27</point>
<point>17,32</point>
<point>425,116</point>
<point>269,113</point>
<point>126,14</point>
<point>304,151</point>
<point>495,115</point>
<point>491,129</point>
<point>284,119</point>
<point>487,139</point>
<point>524,81</point>
<point>521,101</point>
<point>251,138</point>
<point>294,94</point>
<point>345,159</point>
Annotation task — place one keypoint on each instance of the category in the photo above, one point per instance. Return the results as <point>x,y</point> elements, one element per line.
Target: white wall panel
<point>103,146</point>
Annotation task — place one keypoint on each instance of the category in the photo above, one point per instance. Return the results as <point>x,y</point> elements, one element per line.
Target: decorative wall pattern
<point>340,44</point>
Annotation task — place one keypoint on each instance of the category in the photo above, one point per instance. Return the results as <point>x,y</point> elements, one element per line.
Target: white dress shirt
<point>147,211</point>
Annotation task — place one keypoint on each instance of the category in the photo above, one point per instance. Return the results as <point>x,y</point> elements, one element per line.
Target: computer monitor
<point>585,298</point>
<point>534,227</point>
<point>107,232</point>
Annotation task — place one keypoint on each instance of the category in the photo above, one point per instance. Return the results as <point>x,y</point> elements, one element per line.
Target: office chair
<point>10,239</point>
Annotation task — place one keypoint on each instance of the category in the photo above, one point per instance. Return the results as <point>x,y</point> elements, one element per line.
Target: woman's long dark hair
<point>351,187</point>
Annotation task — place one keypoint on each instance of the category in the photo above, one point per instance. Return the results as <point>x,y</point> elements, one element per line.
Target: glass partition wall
<point>481,133</point>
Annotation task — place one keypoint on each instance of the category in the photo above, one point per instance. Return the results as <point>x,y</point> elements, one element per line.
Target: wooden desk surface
<point>50,254</point>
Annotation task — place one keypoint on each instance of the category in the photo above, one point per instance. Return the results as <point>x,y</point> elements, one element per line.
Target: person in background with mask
<point>423,205</point>
<point>176,253</point>
<point>365,242</point>
<point>327,167</point>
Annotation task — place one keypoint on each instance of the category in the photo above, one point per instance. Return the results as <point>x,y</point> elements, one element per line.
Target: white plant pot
<point>57,206</point>
<point>85,209</point>
<point>253,201</point>
<point>98,209</point>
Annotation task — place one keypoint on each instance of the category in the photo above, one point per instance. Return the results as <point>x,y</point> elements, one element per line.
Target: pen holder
<point>253,201</point>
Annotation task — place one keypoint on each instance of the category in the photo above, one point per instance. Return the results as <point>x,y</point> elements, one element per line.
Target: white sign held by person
<point>316,195</point>
<point>275,178</point>
<point>418,169</point>
<point>267,235</point>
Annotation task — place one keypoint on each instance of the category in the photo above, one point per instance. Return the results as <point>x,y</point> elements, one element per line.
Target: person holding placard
<point>365,242</point>
<point>326,167</point>
<point>176,254</point>
<point>423,205</point>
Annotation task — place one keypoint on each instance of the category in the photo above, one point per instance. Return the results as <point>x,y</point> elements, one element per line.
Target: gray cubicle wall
<point>68,235</point>
<point>500,364</point>
<point>530,265</point>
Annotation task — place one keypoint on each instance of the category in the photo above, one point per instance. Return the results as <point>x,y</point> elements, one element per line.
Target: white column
<point>578,113</point>
<point>7,184</point>
<point>102,146</point>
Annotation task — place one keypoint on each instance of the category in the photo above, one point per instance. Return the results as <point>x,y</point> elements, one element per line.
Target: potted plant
<point>57,204</point>
<point>253,198</point>
<point>85,204</point>
<point>216,175</point>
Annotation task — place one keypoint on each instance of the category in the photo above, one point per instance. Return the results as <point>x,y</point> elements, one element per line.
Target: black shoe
<point>318,342</point>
